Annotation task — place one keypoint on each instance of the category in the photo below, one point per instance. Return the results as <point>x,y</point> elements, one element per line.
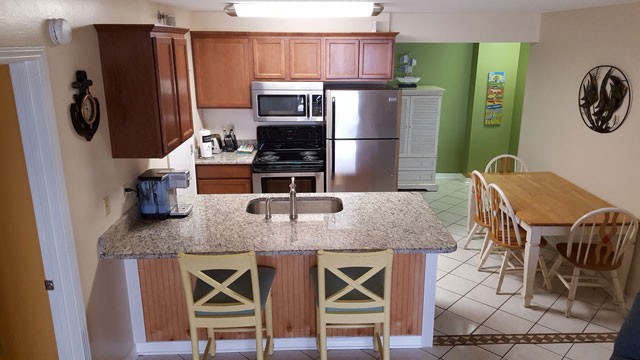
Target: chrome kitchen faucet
<point>293,209</point>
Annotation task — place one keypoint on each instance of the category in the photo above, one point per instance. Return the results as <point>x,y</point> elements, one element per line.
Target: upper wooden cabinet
<point>222,69</point>
<point>376,59</point>
<point>305,58</point>
<point>269,58</point>
<point>362,58</point>
<point>146,83</point>
<point>287,58</point>
<point>225,63</point>
<point>342,58</point>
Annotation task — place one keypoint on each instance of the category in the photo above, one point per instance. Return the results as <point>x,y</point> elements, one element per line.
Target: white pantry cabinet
<point>419,123</point>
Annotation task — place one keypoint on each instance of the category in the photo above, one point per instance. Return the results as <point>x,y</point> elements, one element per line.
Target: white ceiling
<point>437,6</point>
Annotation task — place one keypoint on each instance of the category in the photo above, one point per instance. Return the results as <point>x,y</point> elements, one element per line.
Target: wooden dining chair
<point>354,291</point>
<point>505,163</point>
<point>230,294</point>
<point>481,217</point>
<point>596,244</point>
<point>507,234</point>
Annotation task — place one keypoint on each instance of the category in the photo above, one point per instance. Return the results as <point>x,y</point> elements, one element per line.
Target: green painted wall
<point>485,142</point>
<point>449,67</point>
<point>464,143</point>
<point>523,63</point>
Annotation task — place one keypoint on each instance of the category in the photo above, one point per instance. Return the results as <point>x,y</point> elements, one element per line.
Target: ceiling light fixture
<point>304,9</point>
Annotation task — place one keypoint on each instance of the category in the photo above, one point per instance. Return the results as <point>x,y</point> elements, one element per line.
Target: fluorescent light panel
<point>304,9</point>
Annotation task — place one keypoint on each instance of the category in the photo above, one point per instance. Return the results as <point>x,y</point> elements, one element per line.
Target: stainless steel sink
<point>306,205</point>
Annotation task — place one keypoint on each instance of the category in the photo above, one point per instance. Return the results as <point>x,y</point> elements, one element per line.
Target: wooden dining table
<point>545,204</point>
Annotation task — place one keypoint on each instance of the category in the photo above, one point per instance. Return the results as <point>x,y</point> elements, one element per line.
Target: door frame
<point>41,147</point>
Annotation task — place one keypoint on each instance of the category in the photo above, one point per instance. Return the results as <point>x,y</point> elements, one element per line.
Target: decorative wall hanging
<point>495,91</point>
<point>85,110</point>
<point>604,99</point>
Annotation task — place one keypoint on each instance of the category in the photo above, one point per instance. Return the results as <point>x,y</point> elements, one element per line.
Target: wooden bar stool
<point>230,293</point>
<point>354,291</point>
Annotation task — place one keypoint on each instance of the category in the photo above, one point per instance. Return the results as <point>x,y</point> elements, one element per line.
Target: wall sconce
<point>304,9</point>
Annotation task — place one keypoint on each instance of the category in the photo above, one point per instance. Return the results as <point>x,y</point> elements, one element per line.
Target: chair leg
<point>545,272</point>
<point>471,234</point>
<point>386,348</point>
<point>376,335</point>
<point>195,352</point>
<point>259,350</point>
<point>322,329</point>
<point>212,335</point>
<point>268,317</point>
<point>487,245</point>
<point>556,265</point>
<point>617,291</point>
<point>503,269</point>
<point>572,291</point>
<point>317,330</point>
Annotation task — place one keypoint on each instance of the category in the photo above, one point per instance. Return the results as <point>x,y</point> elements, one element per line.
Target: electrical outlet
<point>107,205</point>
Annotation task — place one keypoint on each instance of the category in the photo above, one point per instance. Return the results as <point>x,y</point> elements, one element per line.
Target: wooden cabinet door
<point>222,69</point>
<point>167,97</point>
<point>269,58</point>
<point>305,58</point>
<point>342,58</point>
<point>376,59</point>
<point>181,63</point>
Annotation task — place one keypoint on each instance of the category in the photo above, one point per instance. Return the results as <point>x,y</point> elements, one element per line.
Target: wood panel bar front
<point>165,312</point>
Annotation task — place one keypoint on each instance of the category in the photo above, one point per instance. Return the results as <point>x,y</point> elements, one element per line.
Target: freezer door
<point>362,165</point>
<point>363,114</point>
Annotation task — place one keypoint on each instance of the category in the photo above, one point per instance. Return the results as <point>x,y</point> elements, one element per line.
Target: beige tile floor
<point>466,303</point>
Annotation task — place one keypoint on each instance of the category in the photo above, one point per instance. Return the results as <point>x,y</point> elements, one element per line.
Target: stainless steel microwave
<point>286,101</point>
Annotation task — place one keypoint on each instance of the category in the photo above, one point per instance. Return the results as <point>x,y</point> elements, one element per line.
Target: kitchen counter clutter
<point>234,158</point>
<point>219,224</point>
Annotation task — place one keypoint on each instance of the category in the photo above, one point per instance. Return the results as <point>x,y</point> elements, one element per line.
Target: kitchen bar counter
<point>219,224</point>
<point>228,158</point>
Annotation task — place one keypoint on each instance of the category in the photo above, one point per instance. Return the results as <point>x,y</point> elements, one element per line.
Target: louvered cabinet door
<point>424,117</point>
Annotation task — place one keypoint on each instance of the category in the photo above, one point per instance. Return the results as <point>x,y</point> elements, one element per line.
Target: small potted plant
<point>406,70</point>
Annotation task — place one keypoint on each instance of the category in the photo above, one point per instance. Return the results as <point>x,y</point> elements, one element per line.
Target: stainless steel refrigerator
<point>362,124</point>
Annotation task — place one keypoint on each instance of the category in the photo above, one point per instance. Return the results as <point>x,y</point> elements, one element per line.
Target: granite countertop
<point>228,158</point>
<point>220,224</point>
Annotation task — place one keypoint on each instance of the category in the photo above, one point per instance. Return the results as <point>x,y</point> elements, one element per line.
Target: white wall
<point>90,172</point>
<point>553,136</point>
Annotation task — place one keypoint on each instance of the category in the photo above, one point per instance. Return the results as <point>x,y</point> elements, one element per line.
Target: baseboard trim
<point>450,176</point>
<point>223,346</point>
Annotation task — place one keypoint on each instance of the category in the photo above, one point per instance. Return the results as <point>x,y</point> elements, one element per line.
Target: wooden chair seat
<point>513,242</point>
<point>577,259</point>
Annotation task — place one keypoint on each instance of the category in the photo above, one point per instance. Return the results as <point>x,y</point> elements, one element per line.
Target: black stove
<point>289,148</point>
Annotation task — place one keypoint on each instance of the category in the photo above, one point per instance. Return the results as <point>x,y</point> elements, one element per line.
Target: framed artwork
<point>604,98</point>
<point>495,92</point>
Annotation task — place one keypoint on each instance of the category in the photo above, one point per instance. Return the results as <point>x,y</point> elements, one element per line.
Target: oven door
<point>306,182</point>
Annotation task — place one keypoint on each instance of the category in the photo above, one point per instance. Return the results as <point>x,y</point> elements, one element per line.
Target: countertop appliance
<point>286,151</point>
<point>157,193</point>
<point>286,101</point>
<point>363,124</point>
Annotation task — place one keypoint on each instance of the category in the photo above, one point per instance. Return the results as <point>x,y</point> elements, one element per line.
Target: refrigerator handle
<point>333,116</point>
<point>332,160</point>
